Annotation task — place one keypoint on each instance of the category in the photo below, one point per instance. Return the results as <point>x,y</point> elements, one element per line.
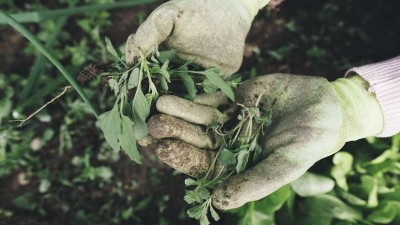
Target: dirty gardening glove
<point>311,119</point>
<point>212,33</point>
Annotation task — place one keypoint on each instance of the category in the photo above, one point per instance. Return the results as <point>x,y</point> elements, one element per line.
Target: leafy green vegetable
<point>385,213</point>
<point>310,184</point>
<point>262,212</point>
<point>328,207</point>
<point>343,162</point>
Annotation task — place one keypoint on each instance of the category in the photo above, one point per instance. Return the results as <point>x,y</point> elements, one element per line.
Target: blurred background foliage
<point>57,169</point>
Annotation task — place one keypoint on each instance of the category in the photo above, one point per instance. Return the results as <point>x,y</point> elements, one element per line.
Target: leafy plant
<point>137,88</point>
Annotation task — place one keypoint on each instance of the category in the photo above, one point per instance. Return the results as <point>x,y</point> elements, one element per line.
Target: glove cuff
<point>254,6</point>
<point>363,115</point>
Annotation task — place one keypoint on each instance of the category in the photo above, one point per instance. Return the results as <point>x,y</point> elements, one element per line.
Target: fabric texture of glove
<point>311,119</point>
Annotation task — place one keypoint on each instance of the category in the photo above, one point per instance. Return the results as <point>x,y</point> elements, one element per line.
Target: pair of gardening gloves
<point>311,117</point>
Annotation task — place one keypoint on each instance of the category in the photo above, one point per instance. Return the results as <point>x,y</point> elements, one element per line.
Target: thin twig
<point>44,106</point>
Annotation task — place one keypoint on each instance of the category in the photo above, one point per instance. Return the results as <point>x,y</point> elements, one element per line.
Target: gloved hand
<point>311,119</point>
<point>212,33</point>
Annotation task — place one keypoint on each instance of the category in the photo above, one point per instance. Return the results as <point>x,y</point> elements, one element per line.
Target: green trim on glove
<point>363,116</point>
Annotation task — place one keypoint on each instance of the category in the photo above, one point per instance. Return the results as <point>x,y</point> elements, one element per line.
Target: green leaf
<point>391,195</point>
<point>196,212</point>
<point>140,128</point>
<point>255,216</point>
<point>203,193</point>
<point>110,124</point>
<point>214,214</point>
<point>310,184</point>
<point>226,158</point>
<point>378,143</point>
<point>188,82</point>
<point>167,55</point>
<point>328,206</point>
<point>165,72</point>
<point>345,223</point>
<point>204,220</point>
<point>261,212</point>
<point>216,80</point>
<point>208,87</point>
<point>381,167</point>
<point>110,48</point>
<point>190,182</point>
<point>253,144</point>
<point>25,201</point>
<point>274,201</point>
<point>128,141</point>
<point>385,213</point>
<point>352,199</point>
<point>343,163</point>
<point>114,86</point>
<point>191,197</point>
<point>163,83</point>
<point>123,77</point>
<point>141,110</point>
<point>134,78</point>
<point>257,154</point>
<point>242,159</point>
<point>370,185</point>
<point>314,219</point>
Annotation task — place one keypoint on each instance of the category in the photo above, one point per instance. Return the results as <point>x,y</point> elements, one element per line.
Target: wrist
<point>363,115</point>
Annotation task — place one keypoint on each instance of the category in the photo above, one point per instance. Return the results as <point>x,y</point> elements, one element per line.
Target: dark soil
<point>318,38</point>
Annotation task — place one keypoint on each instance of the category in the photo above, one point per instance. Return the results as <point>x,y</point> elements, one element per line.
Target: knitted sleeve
<point>384,81</point>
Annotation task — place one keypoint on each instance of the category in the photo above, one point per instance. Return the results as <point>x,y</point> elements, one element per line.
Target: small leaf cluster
<point>202,198</point>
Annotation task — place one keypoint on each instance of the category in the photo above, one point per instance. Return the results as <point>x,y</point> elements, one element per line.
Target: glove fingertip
<point>130,50</point>
<point>224,198</point>
<point>148,141</point>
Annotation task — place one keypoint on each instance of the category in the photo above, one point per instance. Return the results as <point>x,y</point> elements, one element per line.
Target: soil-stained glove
<point>311,119</point>
<point>212,33</point>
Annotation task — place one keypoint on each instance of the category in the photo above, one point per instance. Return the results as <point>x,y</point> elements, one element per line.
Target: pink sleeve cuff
<point>384,80</point>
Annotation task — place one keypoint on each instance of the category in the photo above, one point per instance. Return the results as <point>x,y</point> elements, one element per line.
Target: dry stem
<point>44,106</point>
